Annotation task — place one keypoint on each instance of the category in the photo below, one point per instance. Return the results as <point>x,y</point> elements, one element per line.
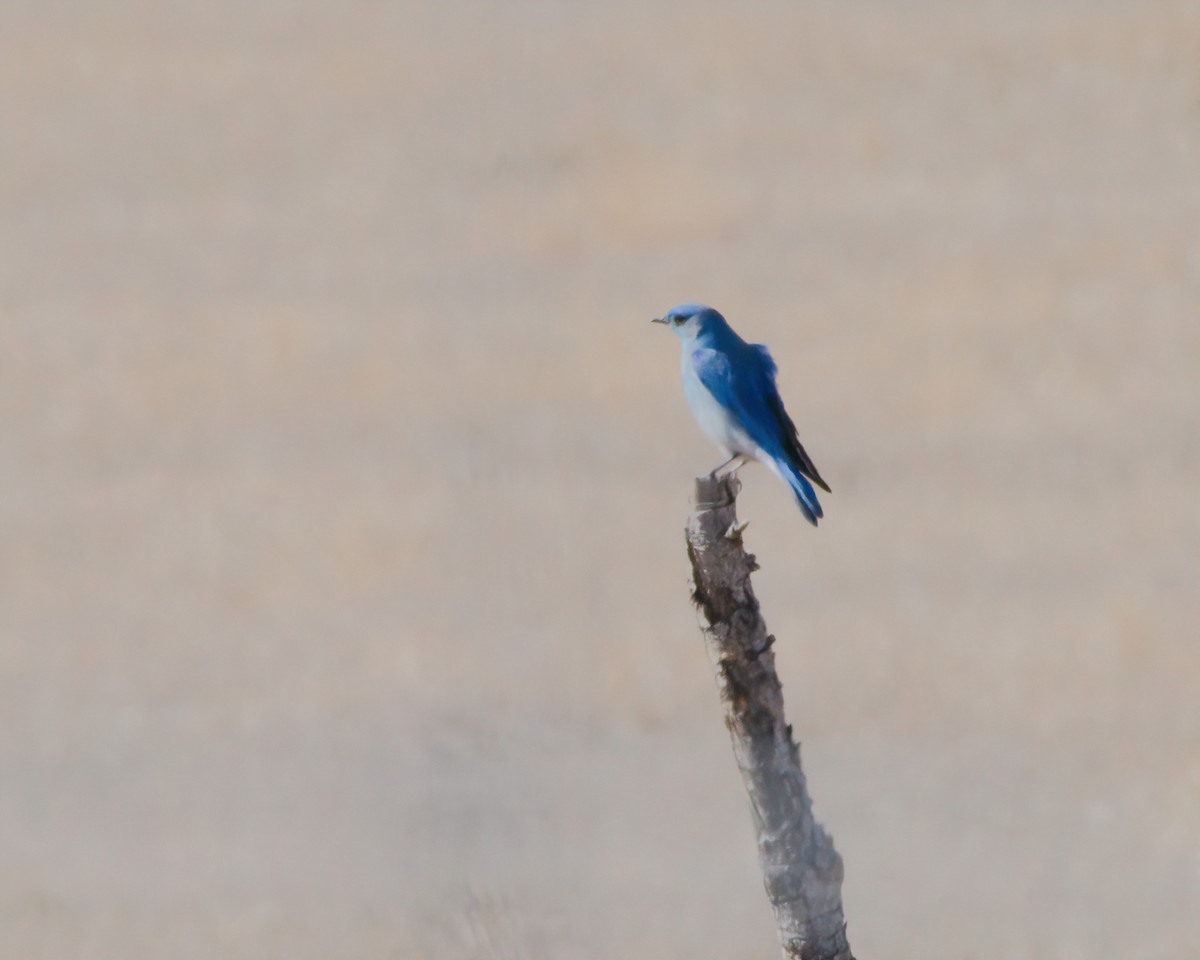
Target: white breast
<point>713,418</point>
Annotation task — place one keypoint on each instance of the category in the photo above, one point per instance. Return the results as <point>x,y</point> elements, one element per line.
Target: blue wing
<point>788,436</point>
<point>745,386</point>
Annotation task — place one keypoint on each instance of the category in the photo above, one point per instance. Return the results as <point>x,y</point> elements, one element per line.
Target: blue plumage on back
<point>730,386</point>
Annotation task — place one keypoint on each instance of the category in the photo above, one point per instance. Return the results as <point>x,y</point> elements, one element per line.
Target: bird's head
<point>689,320</point>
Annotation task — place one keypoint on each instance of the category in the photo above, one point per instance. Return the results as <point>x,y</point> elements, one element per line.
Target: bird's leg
<point>738,460</point>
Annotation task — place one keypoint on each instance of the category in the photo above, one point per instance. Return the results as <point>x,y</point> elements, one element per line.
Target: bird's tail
<point>806,497</point>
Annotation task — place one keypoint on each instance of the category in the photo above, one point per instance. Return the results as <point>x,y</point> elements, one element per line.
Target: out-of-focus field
<point>343,600</point>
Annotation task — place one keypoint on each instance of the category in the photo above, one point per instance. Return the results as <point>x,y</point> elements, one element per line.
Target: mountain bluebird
<point>730,387</point>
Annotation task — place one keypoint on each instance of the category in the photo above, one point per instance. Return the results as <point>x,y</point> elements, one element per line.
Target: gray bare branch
<point>801,868</point>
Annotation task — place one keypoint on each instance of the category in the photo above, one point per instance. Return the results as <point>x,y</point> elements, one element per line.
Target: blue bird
<point>730,388</point>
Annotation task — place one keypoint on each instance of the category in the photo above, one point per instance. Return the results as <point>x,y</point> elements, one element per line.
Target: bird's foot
<point>729,467</point>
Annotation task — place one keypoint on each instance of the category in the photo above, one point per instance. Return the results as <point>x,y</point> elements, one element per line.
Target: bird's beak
<point>659,320</point>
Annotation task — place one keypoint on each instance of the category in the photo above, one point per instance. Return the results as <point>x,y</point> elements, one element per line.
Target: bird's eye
<point>677,320</point>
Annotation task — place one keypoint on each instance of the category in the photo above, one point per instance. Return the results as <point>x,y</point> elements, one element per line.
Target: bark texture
<point>801,869</point>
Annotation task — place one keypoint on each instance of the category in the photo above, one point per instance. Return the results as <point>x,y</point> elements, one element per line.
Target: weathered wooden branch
<point>801,868</point>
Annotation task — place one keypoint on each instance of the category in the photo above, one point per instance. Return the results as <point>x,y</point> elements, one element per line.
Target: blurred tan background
<point>343,600</point>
